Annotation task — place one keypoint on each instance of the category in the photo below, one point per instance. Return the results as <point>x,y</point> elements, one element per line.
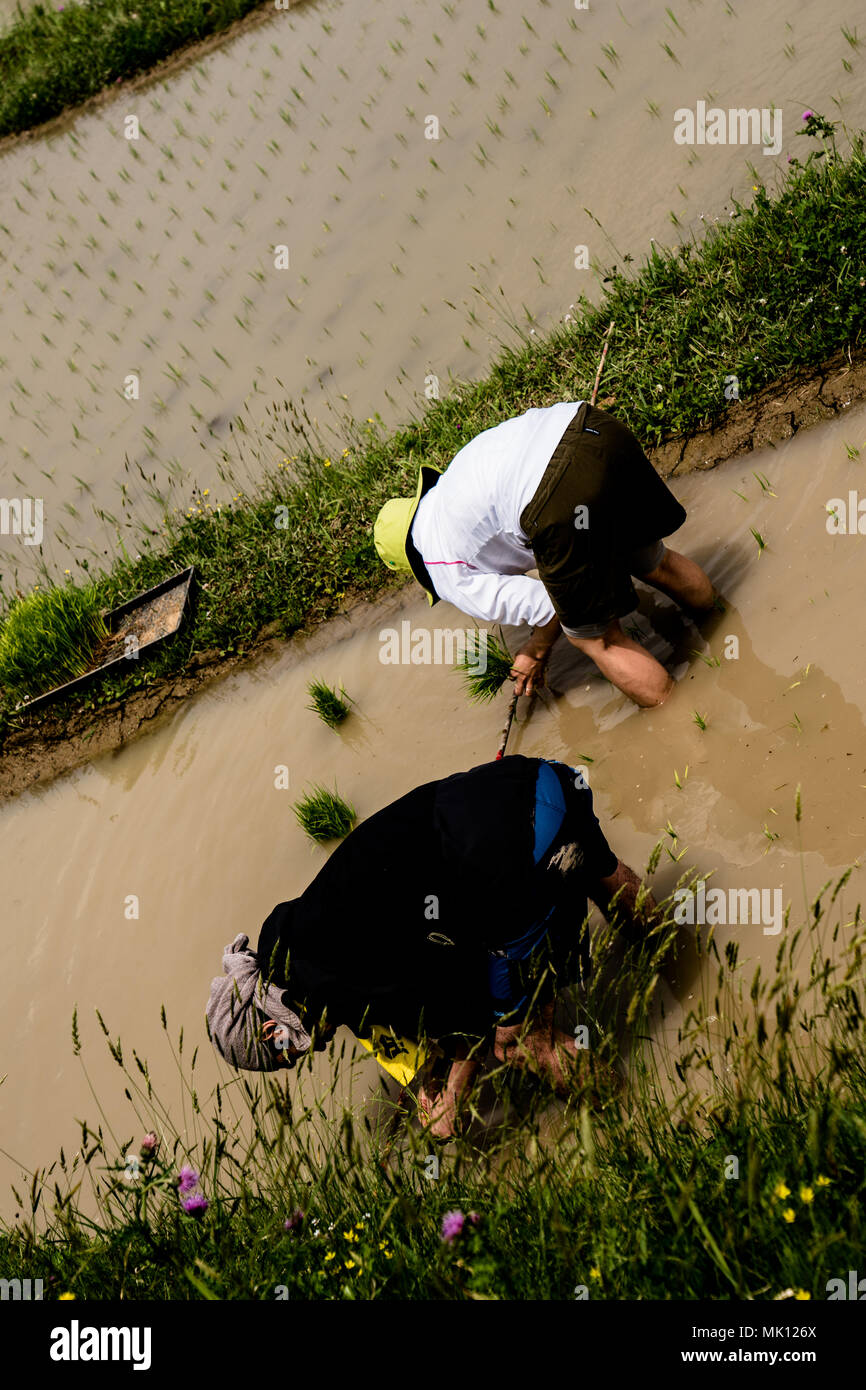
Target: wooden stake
<point>512,706</point>
<point>601,363</point>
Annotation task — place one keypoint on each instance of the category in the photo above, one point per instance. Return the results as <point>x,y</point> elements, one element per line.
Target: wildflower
<point>195,1205</point>
<point>452,1225</point>
<point>187,1179</point>
<point>349,1236</point>
<point>801,1295</point>
<point>348,1264</point>
<point>789,1215</point>
<point>821,1181</point>
<point>329,1255</point>
<point>807,115</point>
<point>295,1221</point>
<point>844,250</point>
<point>327,463</point>
<point>206,491</point>
<point>781,1191</point>
<point>806,1195</point>
<point>64,1296</point>
<point>595,1272</point>
<point>149,1146</point>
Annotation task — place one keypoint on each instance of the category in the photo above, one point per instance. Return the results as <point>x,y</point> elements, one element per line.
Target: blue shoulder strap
<point>549,809</point>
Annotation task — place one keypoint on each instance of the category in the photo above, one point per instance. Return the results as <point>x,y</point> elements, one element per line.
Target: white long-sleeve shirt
<point>467,528</point>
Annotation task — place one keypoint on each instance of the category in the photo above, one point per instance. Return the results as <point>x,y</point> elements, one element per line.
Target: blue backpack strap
<point>549,809</point>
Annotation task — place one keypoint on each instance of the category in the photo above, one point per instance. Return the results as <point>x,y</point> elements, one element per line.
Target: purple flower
<point>188,1179</point>
<point>196,1205</point>
<point>807,115</point>
<point>452,1225</point>
<point>149,1145</point>
<point>295,1221</point>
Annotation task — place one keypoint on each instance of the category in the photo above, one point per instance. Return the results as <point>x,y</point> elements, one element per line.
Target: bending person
<point>566,489</point>
<point>455,914</point>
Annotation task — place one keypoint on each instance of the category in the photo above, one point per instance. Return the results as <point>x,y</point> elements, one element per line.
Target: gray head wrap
<point>238,1006</point>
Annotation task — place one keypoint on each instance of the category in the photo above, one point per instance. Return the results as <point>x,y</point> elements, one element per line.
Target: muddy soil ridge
<point>39,753</point>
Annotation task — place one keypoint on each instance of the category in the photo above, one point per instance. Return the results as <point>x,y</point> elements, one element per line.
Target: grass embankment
<point>778,286</point>
<point>749,1184</point>
<point>56,57</point>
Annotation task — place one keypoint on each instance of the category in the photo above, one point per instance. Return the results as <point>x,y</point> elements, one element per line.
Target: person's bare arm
<point>530,661</point>
<point>623,893</point>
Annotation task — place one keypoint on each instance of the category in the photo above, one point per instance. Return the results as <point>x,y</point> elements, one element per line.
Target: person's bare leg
<point>628,665</point>
<point>547,1049</point>
<point>439,1103</point>
<point>682,579</point>
<point>541,1047</point>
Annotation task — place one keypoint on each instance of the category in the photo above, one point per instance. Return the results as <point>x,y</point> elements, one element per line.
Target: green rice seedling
<point>679,784</point>
<point>762,544</point>
<point>323,815</point>
<point>330,706</point>
<point>483,686</point>
<point>765,483</point>
<point>699,720</point>
<point>852,451</point>
<point>48,638</point>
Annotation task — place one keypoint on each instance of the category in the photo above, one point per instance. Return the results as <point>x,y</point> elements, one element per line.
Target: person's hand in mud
<point>439,1100</point>
<point>531,661</point>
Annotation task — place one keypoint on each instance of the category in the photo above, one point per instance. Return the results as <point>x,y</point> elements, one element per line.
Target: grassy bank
<point>747,1183</point>
<point>56,56</point>
<point>778,286</point>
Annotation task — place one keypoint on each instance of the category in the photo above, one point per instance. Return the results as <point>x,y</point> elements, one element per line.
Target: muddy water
<point>154,258</point>
<point>189,820</point>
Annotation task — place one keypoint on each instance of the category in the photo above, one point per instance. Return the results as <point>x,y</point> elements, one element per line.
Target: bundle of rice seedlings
<point>323,815</point>
<point>49,637</point>
<point>327,704</point>
<point>484,685</point>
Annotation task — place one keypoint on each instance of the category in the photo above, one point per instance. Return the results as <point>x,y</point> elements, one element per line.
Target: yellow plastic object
<point>401,1058</point>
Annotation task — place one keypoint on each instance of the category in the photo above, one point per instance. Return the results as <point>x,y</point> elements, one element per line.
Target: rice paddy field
<point>343,234</point>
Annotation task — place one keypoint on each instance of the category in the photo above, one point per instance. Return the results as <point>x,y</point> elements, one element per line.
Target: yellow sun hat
<point>392,531</point>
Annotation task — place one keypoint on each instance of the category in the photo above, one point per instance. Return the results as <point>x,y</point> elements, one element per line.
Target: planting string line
<point>512,705</point>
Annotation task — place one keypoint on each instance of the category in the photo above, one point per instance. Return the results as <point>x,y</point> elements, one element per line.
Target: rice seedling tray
<point>138,625</point>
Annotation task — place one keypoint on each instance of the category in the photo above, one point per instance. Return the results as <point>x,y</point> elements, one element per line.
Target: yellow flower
<point>330,1255</point>
<point>63,1296</point>
<point>389,1254</point>
<point>789,1214</point>
<point>802,1294</point>
<point>345,453</point>
<point>327,463</point>
<point>595,1272</point>
<point>806,1195</point>
<point>348,1264</point>
<point>821,1181</point>
<point>206,491</point>
<point>349,1235</point>
<point>781,1191</point>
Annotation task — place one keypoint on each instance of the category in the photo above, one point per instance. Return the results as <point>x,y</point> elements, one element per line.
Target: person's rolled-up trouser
<point>597,518</point>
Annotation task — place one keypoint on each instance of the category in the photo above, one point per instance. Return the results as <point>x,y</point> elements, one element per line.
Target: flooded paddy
<point>187,827</point>
<point>142,305</point>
